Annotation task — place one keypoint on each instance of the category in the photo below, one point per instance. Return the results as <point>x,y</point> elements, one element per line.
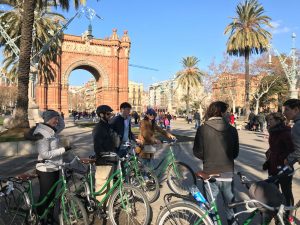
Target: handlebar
<point>171,142</point>
<point>113,154</point>
<point>47,161</point>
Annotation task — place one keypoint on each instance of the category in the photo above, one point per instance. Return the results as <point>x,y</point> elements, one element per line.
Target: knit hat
<point>49,114</point>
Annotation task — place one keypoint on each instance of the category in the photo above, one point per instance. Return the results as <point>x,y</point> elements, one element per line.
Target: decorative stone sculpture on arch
<point>106,59</point>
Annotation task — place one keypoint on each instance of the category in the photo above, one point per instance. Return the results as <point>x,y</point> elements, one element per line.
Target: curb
<point>18,148</point>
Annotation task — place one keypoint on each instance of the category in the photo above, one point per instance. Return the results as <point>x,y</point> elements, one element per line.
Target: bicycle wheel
<point>180,180</point>
<point>129,206</point>
<point>14,208</point>
<point>148,182</point>
<point>182,213</point>
<point>72,212</point>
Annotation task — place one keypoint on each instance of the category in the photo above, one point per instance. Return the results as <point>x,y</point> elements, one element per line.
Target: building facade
<point>135,96</point>
<point>161,96</point>
<point>230,88</point>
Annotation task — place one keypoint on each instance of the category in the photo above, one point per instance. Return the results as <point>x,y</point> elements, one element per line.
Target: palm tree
<point>46,24</point>
<point>189,77</point>
<point>28,17</point>
<point>248,36</point>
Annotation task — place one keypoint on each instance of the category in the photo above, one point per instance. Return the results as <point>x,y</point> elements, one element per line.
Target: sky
<point>162,32</point>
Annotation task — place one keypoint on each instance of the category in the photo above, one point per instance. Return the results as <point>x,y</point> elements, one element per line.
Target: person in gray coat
<point>48,148</point>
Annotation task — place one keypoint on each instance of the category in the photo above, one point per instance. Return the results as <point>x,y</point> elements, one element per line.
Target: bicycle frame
<point>165,163</point>
<point>28,196</point>
<point>117,184</point>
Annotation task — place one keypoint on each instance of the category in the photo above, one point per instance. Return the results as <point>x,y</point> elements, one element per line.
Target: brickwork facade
<point>231,88</point>
<point>106,59</point>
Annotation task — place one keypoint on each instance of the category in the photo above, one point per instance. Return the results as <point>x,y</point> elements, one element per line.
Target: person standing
<point>292,112</point>
<point>146,136</point>
<point>48,148</point>
<point>104,143</point>
<point>232,119</point>
<point>261,121</point>
<point>251,119</point>
<point>197,119</point>
<point>169,117</point>
<point>122,126</point>
<point>217,145</point>
<point>281,145</point>
<point>189,118</point>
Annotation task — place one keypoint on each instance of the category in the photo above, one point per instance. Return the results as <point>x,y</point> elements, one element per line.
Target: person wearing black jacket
<point>121,124</point>
<point>104,143</point>
<point>217,145</point>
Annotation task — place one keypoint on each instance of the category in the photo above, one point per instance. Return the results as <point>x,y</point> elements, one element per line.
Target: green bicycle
<point>20,207</point>
<point>140,176</point>
<point>126,203</point>
<point>179,175</point>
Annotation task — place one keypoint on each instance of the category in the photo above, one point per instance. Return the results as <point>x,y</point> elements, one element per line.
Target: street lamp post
<point>291,70</point>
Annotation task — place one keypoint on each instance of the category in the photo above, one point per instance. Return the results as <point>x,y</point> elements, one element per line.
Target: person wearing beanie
<point>48,148</point>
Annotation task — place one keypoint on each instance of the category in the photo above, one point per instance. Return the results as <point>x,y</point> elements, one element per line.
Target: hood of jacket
<point>44,130</point>
<point>217,123</point>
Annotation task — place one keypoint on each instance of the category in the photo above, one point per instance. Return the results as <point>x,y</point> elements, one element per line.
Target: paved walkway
<point>252,149</point>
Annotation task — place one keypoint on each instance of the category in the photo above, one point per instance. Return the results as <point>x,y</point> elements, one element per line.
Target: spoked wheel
<point>180,178</point>
<point>129,206</point>
<point>72,212</point>
<point>183,213</point>
<point>14,209</point>
<point>148,182</point>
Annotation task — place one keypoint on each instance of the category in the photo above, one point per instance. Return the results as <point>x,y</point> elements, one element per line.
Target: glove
<point>68,148</point>
<point>265,165</point>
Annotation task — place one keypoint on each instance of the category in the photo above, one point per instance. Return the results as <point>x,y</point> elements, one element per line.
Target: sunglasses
<point>108,114</point>
<point>151,114</point>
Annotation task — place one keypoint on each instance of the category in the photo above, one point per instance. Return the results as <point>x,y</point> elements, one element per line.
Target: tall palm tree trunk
<point>247,82</point>
<point>21,116</point>
<point>188,99</point>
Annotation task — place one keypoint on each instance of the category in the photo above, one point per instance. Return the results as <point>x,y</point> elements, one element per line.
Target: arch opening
<point>82,90</point>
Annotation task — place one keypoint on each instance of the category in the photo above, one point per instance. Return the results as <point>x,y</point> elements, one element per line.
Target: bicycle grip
<point>235,204</point>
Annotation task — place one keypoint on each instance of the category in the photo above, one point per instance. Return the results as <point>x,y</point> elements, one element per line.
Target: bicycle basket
<point>266,193</point>
<point>149,149</point>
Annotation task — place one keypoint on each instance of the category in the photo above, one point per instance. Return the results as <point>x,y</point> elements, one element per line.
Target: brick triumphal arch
<point>106,59</point>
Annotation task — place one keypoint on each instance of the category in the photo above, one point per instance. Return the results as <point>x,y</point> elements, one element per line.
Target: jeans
<point>197,123</point>
<point>225,188</point>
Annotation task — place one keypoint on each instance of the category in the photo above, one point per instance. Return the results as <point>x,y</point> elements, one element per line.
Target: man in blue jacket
<point>121,124</point>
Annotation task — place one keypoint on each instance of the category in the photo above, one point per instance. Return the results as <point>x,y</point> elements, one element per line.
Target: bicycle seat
<point>87,160</point>
<point>26,176</point>
<point>206,176</point>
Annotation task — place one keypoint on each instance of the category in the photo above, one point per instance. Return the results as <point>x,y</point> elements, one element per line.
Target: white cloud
<point>279,28</point>
<point>275,24</point>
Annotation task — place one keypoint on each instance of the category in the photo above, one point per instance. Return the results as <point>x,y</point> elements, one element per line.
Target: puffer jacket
<point>48,148</point>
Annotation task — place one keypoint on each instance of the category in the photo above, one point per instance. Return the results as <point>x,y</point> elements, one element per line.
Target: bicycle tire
<point>189,178</point>
<point>183,213</point>
<point>131,216</point>
<point>14,208</point>
<point>149,187</point>
<point>73,215</point>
